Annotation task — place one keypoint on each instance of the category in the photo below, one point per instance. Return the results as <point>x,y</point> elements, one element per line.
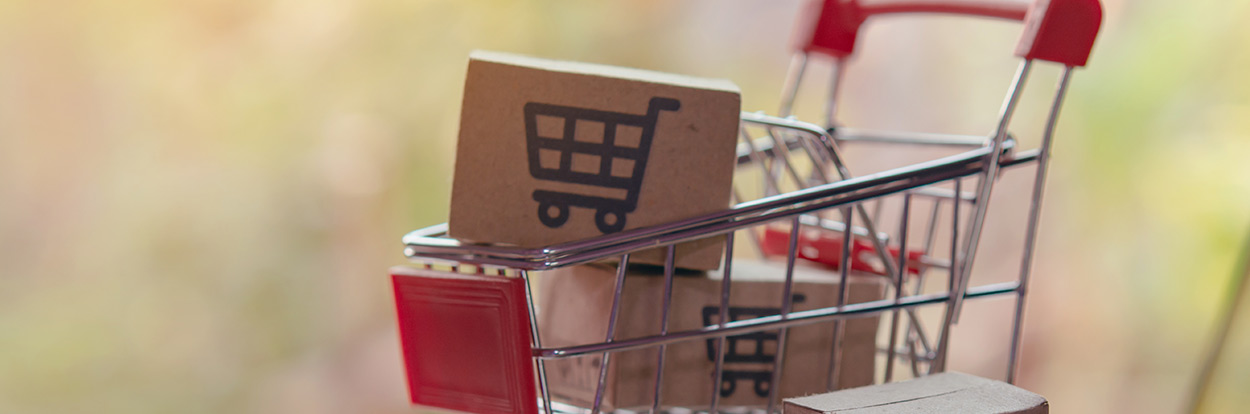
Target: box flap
<point>940,393</point>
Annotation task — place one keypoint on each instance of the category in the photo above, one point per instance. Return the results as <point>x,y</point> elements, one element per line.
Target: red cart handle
<point>1061,31</point>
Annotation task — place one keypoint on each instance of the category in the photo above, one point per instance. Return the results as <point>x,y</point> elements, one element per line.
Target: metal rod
<point>820,159</point>
<point>898,285</point>
<point>831,104</point>
<point>847,134</point>
<point>877,207</point>
<point>985,186</point>
<point>724,318</point>
<point>770,182</point>
<point>787,304</point>
<point>939,364</point>
<point>538,343</point>
<point>835,356</point>
<point>837,226</point>
<point>611,335</point>
<point>943,193</point>
<point>768,323</point>
<point>911,353</point>
<point>790,90</point>
<point>668,302</point>
<point>783,153</point>
<point>931,232</point>
<point>884,254</point>
<point>878,244</point>
<point>915,330</point>
<point>751,233</point>
<point>1035,212</point>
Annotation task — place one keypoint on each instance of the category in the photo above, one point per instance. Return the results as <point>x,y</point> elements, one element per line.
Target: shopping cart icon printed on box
<point>746,356</point>
<point>590,147</point>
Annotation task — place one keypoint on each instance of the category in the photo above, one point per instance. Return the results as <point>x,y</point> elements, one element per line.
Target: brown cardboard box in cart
<point>553,152</point>
<point>574,304</point>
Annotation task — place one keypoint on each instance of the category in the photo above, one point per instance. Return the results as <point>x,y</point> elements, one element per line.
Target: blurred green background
<point>199,199</point>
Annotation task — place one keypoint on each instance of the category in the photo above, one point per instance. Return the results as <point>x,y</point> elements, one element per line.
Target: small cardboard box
<point>949,392</point>
<point>553,152</point>
<point>575,304</point>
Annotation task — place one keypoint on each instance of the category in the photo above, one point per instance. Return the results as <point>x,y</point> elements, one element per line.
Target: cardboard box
<point>575,304</point>
<point>553,152</point>
<point>949,392</point>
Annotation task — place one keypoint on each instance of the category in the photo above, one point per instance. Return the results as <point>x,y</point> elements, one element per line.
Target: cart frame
<point>816,196</point>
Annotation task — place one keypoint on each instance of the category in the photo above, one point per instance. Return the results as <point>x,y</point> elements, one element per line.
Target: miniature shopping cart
<point>468,318</point>
<point>553,206</point>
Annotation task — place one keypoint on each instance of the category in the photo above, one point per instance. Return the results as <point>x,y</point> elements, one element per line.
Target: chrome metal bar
<point>538,343</point>
<point>1035,212</point>
<point>820,160</point>
<point>751,233</point>
<point>831,146</point>
<point>835,83</point>
<point>942,193</point>
<point>767,323</point>
<point>985,187</point>
<point>927,249</point>
<point>794,77</point>
<point>878,244</point>
<point>808,220</point>
<point>898,285</point>
<point>744,215</point>
<point>770,182</point>
<point>723,313</point>
<point>611,335</point>
<point>783,152</point>
<point>931,232</point>
<point>669,270</point>
<point>784,122</point>
<point>911,354</point>
<point>877,206</point>
<point>911,138</point>
<point>939,364</point>
<point>787,304</point>
<point>843,172</point>
<point>835,356</point>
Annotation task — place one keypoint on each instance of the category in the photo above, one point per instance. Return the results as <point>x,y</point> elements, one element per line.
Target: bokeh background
<point>199,199</point>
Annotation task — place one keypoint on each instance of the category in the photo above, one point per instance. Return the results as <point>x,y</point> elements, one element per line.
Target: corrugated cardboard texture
<point>575,304</point>
<point>535,131</point>
<point>950,392</point>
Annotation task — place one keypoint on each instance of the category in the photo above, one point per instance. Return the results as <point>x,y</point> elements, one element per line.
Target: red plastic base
<point>466,341</point>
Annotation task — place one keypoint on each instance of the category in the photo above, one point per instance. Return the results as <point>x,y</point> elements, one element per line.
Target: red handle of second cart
<point>1061,31</point>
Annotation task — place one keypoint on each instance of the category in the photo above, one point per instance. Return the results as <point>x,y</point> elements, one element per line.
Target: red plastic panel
<point>1056,30</point>
<point>825,247</point>
<point>1061,31</point>
<point>466,341</point>
<point>834,29</point>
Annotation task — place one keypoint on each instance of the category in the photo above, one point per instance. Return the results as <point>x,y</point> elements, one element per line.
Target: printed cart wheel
<point>545,214</point>
<point>610,221</point>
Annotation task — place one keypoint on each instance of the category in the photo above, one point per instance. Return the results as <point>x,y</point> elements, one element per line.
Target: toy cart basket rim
<point>431,245</point>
